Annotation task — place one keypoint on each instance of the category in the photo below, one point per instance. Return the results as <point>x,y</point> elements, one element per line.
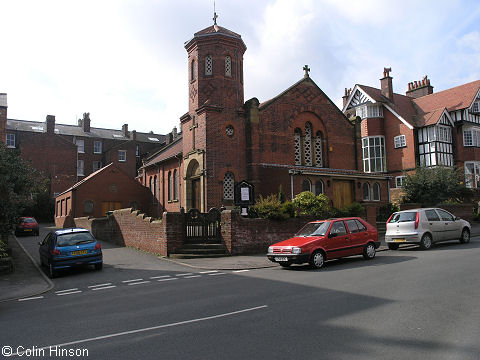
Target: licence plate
<point>281,258</point>
<point>27,229</point>
<point>399,240</point>
<point>79,252</point>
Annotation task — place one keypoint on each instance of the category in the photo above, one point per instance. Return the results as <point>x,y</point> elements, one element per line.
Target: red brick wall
<point>3,124</point>
<point>135,229</point>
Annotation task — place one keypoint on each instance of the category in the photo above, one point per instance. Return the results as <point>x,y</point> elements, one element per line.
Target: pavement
<point>29,280</point>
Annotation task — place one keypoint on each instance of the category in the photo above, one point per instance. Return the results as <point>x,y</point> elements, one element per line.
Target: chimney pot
<point>86,122</point>
<point>386,84</point>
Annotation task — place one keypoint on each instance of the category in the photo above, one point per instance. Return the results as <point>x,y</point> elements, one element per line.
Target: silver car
<point>425,227</point>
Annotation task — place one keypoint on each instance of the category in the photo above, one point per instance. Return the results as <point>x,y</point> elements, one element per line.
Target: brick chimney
<point>86,122</point>
<point>133,135</point>
<point>418,89</point>
<point>345,97</point>
<point>125,130</point>
<point>50,124</point>
<point>3,117</point>
<point>386,84</point>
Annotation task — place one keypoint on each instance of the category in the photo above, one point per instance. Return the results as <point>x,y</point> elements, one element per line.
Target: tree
<point>18,183</point>
<point>431,186</point>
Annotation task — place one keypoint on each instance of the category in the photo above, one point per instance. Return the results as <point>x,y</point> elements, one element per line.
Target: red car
<point>27,225</point>
<point>319,241</point>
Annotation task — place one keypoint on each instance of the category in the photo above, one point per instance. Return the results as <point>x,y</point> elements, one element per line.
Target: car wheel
<point>51,271</point>
<point>317,260</point>
<point>99,266</point>
<point>465,238</point>
<point>426,242</point>
<point>285,264</point>
<point>369,251</point>
<point>392,246</point>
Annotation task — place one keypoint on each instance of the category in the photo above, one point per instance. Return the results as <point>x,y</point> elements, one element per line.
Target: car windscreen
<point>28,220</point>
<point>403,217</point>
<point>74,239</point>
<point>314,229</point>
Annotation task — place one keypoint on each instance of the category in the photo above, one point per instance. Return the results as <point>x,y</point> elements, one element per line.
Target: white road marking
<point>192,276</point>
<point>240,271</point>
<point>141,282</point>
<point>105,287</point>
<point>31,298</point>
<point>160,277</point>
<point>218,273</point>
<point>208,272</point>
<point>146,329</point>
<point>99,285</point>
<point>67,290</point>
<point>70,293</point>
<point>184,274</point>
<point>168,279</point>
<point>133,280</point>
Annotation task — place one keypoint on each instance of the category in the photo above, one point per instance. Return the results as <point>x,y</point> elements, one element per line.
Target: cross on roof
<point>307,69</point>
<point>215,16</point>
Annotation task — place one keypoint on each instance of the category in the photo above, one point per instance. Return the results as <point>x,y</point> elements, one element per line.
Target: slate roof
<point>76,185</point>
<point>73,130</point>
<point>168,152</point>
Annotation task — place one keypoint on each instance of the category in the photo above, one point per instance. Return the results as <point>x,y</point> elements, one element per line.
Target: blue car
<point>67,248</point>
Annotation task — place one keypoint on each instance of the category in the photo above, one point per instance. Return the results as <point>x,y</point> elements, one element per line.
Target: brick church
<point>299,140</point>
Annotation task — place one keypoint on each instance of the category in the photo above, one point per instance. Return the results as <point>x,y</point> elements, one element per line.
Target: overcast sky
<point>124,61</point>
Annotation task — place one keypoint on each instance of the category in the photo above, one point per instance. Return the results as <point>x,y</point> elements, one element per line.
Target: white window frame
<point>399,141</point>
<point>80,168</point>
<point>471,137</point>
<point>97,147</point>
<point>80,146</point>
<point>122,155</point>
<point>476,106</point>
<point>399,181</point>
<point>368,154</point>
<point>369,111</point>
<point>10,140</point>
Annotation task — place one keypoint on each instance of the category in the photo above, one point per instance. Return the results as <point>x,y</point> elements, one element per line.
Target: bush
<point>270,207</point>
<point>385,211</point>
<point>431,186</point>
<point>354,209</point>
<point>306,203</point>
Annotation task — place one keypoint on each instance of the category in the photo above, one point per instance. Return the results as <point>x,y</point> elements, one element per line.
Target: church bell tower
<point>214,127</point>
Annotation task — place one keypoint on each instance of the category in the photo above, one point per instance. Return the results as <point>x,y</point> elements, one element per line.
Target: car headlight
<point>296,250</point>
<point>270,249</point>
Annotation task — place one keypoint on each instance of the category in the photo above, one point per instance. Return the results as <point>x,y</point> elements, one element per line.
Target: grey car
<point>425,227</point>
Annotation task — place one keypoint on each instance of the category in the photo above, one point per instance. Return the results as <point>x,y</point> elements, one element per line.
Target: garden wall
<point>464,211</point>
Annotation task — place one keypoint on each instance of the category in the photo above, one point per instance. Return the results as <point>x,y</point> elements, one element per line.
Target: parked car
<point>67,248</point>
<point>27,225</point>
<point>425,227</point>
<point>319,241</point>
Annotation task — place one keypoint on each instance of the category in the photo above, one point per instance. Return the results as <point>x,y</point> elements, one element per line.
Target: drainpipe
<point>179,194</point>
<point>291,184</point>
<point>156,192</point>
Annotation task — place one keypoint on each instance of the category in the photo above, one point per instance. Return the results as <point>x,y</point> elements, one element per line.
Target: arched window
<point>192,71</point>
<point>308,144</point>
<point>175,191</point>
<point>376,192</point>
<point>297,136</point>
<point>306,185</point>
<point>208,65</point>
<point>228,66</point>
<point>169,186</point>
<point>366,191</point>
<point>319,187</point>
<point>151,184</point>
<point>318,149</point>
<point>228,186</point>
<point>155,186</point>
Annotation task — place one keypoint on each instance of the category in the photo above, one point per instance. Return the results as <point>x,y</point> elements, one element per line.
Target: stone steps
<point>200,250</point>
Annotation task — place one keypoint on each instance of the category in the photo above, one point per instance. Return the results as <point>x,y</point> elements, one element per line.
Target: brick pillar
<point>3,117</point>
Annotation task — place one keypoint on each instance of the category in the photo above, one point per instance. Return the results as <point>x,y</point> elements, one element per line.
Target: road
<point>406,304</point>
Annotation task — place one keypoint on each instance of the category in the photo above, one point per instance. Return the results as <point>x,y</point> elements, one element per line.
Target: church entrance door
<point>196,194</point>
<point>342,193</point>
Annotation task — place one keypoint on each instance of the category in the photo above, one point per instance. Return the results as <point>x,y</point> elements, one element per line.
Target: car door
<point>435,225</point>
<point>44,249</point>
<point>338,242</point>
<point>356,237</point>
<point>452,228</point>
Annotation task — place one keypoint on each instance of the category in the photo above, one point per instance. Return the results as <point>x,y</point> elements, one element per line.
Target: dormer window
<point>476,107</point>
<point>369,111</point>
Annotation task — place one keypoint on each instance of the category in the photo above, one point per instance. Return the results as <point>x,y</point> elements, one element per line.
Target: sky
<point>124,61</point>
